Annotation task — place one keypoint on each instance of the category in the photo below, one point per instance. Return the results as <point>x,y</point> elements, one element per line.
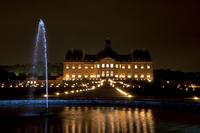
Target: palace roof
<point>133,56</point>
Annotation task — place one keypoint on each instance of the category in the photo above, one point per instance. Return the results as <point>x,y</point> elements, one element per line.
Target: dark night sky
<point>169,29</point>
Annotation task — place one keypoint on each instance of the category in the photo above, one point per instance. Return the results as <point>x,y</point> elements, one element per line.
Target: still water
<point>103,120</point>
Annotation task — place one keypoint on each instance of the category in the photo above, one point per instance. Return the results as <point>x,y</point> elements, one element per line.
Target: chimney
<point>107,43</point>
<point>83,54</point>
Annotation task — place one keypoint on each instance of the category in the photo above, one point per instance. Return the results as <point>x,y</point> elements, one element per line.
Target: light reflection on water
<point>107,119</point>
<point>104,120</point>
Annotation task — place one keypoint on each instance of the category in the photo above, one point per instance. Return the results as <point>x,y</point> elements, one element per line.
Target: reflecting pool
<point>101,120</point>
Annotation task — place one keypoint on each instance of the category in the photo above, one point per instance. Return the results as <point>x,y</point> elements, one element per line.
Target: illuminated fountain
<point>39,67</point>
<point>41,46</point>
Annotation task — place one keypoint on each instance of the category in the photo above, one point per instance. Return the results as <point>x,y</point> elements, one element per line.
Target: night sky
<point>169,29</point>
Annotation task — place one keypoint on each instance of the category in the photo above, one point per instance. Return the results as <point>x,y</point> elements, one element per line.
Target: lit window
<point>148,67</point>
<point>111,73</point>
<point>136,76</point>
<point>86,76</point>
<point>129,66</point>
<point>91,76</point>
<point>86,67</point>
<point>73,67</point>
<point>136,66</point>
<point>107,73</point>
<point>98,76</point>
<point>98,65</point>
<point>102,65</point>
<point>123,67</point>
<point>116,65</point>
<point>92,67</point>
<point>67,67</point>
<point>79,67</point>
<point>73,76</point>
<point>142,67</point>
<point>142,76</point>
<point>67,76</point>
<point>116,76</point>
<point>103,73</point>
<point>148,76</point>
<point>129,76</point>
<point>79,76</point>
<point>107,65</point>
<point>111,65</point>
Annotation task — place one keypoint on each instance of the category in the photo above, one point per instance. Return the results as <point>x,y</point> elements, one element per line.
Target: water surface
<point>102,120</point>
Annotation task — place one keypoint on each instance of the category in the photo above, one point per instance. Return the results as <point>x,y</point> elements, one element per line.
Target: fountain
<point>39,56</point>
<point>41,40</point>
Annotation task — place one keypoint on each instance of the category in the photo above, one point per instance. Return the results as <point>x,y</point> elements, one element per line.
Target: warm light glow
<point>57,93</point>
<point>67,67</point>
<point>129,66</point>
<point>136,66</point>
<point>103,74</point>
<point>148,67</point>
<point>116,76</point>
<point>142,67</point>
<point>136,76</point>
<point>116,65</point>
<point>73,67</point>
<point>111,65</point>
<point>129,96</point>
<point>102,65</point>
<point>142,76</point>
<point>98,65</point>
<point>148,76</point>
<point>73,76</point>
<point>195,98</point>
<point>79,67</point>
<point>79,76</point>
<point>107,65</point>
<point>111,73</point>
<point>123,92</point>
<point>123,67</point>
<point>129,76</point>
<point>86,67</point>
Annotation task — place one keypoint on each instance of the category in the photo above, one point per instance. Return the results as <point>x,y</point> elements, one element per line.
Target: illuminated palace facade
<point>136,65</point>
